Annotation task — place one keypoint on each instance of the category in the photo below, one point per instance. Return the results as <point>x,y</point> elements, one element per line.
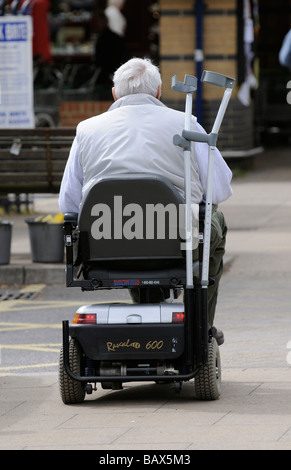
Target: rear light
<point>85,319</point>
<point>178,317</point>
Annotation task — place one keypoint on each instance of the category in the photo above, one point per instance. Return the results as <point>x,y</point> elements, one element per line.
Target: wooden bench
<point>33,160</point>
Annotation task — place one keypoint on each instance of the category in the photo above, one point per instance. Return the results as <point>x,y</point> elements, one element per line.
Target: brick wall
<point>72,112</point>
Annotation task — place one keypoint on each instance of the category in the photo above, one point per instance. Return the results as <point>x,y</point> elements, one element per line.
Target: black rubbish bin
<point>46,241</point>
<point>5,241</point>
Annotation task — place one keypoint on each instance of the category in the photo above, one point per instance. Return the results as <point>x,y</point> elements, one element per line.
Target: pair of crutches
<point>189,86</point>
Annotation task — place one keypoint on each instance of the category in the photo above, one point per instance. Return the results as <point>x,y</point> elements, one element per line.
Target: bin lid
<point>6,222</point>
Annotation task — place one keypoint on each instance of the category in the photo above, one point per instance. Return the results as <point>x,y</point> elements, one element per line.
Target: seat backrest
<point>131,217</point>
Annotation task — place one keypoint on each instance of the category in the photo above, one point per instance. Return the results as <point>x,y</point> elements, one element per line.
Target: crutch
<point>188,86</point>
<point>183,141</point>
<point>217,79</point>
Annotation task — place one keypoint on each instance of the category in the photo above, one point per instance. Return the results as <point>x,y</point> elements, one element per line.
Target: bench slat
<point>32,154</point>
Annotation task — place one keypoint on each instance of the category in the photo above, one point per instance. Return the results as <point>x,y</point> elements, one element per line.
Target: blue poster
<point>16,72</point>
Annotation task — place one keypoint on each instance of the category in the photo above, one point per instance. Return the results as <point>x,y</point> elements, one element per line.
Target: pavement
<point>254,410</point>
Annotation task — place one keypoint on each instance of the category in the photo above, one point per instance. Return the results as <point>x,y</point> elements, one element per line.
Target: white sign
<point>16,72</point>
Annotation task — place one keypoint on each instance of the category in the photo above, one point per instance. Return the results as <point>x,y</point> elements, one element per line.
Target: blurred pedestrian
<point>285,51</point>
<point>116,20</point>
<point>110,52</point>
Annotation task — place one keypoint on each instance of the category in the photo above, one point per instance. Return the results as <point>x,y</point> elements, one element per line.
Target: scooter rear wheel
<point>71,391</point>
<point>208,379</point>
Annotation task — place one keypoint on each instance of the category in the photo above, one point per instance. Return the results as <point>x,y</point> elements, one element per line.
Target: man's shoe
<point>218,335</point>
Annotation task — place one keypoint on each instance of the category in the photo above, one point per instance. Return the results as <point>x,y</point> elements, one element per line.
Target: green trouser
<point>217,250</point>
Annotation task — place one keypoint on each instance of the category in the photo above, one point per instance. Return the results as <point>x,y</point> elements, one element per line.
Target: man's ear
<point>159,93</point>
<point>113,94</point>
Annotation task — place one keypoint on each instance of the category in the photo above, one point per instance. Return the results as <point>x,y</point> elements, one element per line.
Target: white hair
<point>137,76</point>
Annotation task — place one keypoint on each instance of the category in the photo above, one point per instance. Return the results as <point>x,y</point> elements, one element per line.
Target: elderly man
<point>136,136</point>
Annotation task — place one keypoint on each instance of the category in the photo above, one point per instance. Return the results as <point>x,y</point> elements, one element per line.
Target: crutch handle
<point>181,142</point>
<point>210,139</point>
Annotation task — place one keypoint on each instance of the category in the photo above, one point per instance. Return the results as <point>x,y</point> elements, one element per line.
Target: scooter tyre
<point>208,380</point>
<point>72,391</point>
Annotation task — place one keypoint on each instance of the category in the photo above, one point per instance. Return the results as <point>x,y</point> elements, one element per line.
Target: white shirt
<point>136,136</point>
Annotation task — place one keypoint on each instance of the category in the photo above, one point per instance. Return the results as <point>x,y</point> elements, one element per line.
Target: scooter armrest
<point>71,218</point>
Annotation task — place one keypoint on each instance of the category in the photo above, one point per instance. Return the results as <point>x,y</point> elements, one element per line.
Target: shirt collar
<point>135,99</point>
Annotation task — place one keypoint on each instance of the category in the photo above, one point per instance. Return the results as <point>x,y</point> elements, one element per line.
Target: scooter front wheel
<point>208,379</point>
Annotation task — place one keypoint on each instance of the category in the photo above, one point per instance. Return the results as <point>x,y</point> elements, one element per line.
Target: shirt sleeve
<point>71,186</point>
<point>221,189</point>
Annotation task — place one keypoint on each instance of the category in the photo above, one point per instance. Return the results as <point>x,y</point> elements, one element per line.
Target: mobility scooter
<point>167,341</point>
